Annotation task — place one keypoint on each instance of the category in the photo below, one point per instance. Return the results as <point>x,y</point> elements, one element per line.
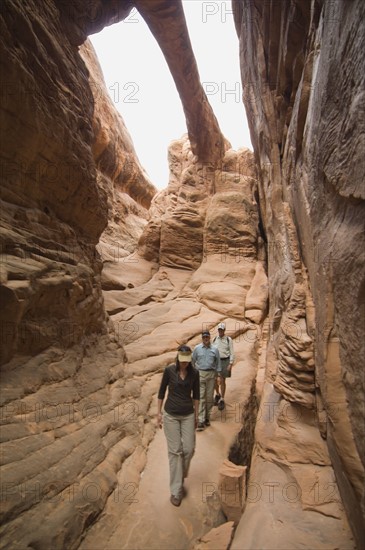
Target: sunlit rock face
<point>53,210</point>
<point>81,367</point>
<point>303,87</point>
<point>205,210</point>
<point>128,189</point>
<point>69,176</point>
<point>204,231</point>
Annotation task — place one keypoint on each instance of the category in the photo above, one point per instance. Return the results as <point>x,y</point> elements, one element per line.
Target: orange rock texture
<point>102,277</point>
<point>69,176</point>
<point>303,89</point>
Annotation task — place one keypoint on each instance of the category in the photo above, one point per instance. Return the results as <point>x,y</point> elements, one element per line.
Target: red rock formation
<point>67,166</point>
<point>303,80</point>
<point>167,23</point>
<point>61,175</point>
<point>166,20</point>
<point>75,418</point>
<point>53,211</point>
<point>119,173</point>
<point>205,210</point>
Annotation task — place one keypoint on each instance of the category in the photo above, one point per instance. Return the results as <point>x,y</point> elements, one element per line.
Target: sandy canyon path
<point>151,522</point>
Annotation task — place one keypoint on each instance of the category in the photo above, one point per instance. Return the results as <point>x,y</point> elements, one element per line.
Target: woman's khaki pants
<point>180,436</point>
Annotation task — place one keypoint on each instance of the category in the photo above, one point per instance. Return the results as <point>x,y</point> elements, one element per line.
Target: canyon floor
<point>151,521</point>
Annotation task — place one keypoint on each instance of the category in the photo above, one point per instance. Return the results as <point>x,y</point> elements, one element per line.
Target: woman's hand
<point>159,420</point>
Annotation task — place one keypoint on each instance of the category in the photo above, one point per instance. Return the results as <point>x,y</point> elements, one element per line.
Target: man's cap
<point>184,356</point>
<point>222,326</point>
<point>205,333</point>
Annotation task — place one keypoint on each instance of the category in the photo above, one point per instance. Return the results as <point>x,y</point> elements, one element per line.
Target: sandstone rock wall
<point>206,219</point>
<point>128,189</point>
<point>53,211</point>
<point>78,383</point>
<point>69,172</point>
<point>303,87</point>
<point>212,205</point>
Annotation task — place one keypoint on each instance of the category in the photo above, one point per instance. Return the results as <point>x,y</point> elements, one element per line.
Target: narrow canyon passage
<point>103,277</point>
<point>151,521</point>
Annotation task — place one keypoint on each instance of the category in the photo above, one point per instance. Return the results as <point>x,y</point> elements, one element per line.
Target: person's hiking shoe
<point>221,405</point>
<point>200,427</point>
<point>176,501</point>
<point>216,399</point>
<point>206,423</point>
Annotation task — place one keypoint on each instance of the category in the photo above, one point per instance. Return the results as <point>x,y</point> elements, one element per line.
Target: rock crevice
<point>102,277</point>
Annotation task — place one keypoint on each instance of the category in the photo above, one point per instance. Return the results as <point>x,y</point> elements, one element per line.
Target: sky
<point>143,91</point>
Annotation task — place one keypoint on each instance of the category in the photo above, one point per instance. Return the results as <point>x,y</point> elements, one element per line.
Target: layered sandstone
<point>53,210</point>
<point>303,80</point>
<point>81,367</point>
<point>76,421</point>
<point>69,172</point>
<point>206,270</point>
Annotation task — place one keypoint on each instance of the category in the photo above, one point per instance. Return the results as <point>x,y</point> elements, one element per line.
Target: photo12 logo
<point>119,92</point>
<point>57,491</point>
<point>98,14</point>
<point>221,10</point>
<point>271,492</point>
<point>227,91</point>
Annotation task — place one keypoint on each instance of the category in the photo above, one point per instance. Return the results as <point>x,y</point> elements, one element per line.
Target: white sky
<point>140,84</point>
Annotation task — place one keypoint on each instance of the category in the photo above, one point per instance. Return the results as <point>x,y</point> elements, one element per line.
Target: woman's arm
<point>161,396</point>
<point>196,411</point>
<point>159,412</point>
<point>196,397</point>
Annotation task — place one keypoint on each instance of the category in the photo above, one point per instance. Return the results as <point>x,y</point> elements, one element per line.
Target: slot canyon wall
<point>76,410</point>
<point>303,87</point>
<point>102,278</point>
<point>69,175</point>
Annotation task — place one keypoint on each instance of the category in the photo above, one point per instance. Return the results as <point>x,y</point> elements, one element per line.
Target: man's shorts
<point>225,372</point>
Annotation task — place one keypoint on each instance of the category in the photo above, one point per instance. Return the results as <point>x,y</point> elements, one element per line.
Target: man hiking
<point>224,344</point>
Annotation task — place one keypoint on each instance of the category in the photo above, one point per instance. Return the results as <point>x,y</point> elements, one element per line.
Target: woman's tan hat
<point>184,356</point>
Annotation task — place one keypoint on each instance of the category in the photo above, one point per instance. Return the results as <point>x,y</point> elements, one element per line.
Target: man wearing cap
<point>226,354</point>
<point>206,360</point>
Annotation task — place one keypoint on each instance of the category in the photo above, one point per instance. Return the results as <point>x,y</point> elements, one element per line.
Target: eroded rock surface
<point>201,273</point>
<point>68,171</point>
<point>97,293</point>
<point>53,210</point>
<point>76,386</point>
<point>167,23</point>
<point>303,82</point>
